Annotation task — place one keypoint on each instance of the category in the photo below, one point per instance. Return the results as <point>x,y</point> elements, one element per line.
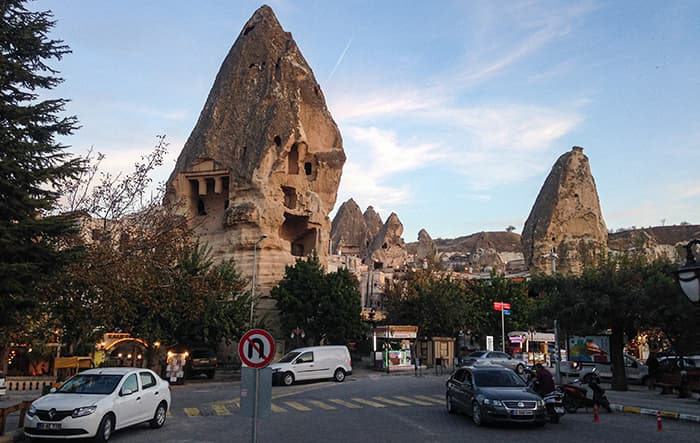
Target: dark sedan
<point>493,394</point>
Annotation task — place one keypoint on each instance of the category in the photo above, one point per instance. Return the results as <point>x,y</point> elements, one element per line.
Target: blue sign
<point>506,312</point>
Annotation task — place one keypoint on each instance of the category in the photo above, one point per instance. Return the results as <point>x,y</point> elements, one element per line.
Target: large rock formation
<point>373,222</point>
<point>655,242</point>
<point>264,158</point>
<point>349,234</point>
<point>426,247</point>
<point>566,218</point>
<point>388,249</point>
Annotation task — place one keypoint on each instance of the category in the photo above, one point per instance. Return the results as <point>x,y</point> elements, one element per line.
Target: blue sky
<point>452,112</point>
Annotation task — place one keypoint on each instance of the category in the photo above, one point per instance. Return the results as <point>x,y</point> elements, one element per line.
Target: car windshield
<point>90,384</point>
<point>477,354</point>
<point>289,357</point>
<point>506,379</point>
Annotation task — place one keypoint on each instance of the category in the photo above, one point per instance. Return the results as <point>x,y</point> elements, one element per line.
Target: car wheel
<point>569,406</point>
<point>104,432</point>
<point>520,369</point>
<point>288,379</point>
<point>339,375</point>
<point>451,409</point>
<point>476,414</point>
<point>159,416</point>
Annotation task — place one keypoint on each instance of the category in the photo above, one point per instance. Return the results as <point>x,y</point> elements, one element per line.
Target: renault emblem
<point>52,413</point>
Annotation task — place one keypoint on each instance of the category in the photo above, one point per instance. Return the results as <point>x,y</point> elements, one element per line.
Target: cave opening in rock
<point>290,197</point>
<point>293,160</point>
<point>307,168</point>
<point>301,236</point>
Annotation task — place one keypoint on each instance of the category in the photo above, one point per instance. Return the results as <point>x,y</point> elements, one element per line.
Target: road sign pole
<point>503,331</point>
<point>255,407</point>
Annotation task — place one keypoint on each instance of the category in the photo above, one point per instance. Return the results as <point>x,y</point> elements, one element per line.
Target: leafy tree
<point>322,305</point>
<point>623,294</point>
<point>33,165</point>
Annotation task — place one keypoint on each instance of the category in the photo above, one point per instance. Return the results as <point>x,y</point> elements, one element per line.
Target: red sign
<point>499,306</point>
<point>256,348</point>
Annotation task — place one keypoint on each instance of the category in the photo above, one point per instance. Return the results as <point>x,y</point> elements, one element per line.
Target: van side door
<point>305,367</point>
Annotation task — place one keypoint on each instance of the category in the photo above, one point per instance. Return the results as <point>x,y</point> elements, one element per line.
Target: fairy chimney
<point>265,158</point>
<point>566,219</point>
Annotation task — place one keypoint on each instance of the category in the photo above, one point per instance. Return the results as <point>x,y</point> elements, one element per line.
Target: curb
<point>654,412</point>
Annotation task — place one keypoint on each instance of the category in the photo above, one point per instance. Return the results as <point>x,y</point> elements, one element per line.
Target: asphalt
<point>636,400</point>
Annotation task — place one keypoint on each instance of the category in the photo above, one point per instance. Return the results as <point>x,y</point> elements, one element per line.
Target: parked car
<point>635,370</point>
<point>496,358</point>
<point>202,361</point>
<point>97,402</point>
<point>673,362</point>
<point>313,363</point>
<point>492,393</point>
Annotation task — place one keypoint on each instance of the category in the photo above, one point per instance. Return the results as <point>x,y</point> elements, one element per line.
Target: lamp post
<point>255,269</point>
<point>689,274</point>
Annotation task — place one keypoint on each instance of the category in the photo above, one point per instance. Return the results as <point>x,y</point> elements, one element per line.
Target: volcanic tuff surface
<point>265,156</point>
<point>349,233</point>
<point>388,248</point>
<point>566,218</point>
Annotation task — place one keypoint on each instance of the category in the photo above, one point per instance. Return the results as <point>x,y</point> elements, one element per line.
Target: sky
<point>452,113</point>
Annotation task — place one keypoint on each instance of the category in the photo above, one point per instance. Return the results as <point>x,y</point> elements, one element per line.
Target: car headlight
<point>275,370</point>
<point>31,411</point>
<point>82,412</point>
<point>488,401</point>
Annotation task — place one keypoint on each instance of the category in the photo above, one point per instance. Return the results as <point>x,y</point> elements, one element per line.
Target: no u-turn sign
<point>256,348</point>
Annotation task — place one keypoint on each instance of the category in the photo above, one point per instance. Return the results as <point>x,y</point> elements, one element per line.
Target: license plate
<point>49,426</point>
<point>521,412</point>
<point>559,410</point>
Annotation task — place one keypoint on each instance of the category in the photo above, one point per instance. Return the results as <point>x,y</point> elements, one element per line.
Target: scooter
<point>553,402</point>
<point>576,395</point>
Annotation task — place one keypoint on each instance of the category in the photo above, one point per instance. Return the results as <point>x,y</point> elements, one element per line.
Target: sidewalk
<point>641,400</point>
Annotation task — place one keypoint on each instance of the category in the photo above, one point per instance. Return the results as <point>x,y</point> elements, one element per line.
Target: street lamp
<point>255,269</point>
<point>689,273</point>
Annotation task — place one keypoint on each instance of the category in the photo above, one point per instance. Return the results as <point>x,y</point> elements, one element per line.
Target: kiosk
<point>391,347</point>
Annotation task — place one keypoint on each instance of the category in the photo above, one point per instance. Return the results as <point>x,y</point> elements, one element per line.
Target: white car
<point>96,402</point>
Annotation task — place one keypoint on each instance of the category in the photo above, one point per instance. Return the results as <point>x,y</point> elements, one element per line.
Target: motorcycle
<point>576,395</point>
<point>553,401</point>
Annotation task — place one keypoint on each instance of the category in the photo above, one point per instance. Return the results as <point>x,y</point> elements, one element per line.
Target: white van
<point>313,363</point>
<point>635,370</point>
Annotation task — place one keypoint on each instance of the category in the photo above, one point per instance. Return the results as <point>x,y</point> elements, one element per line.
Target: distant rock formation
<point>655,242</point>
<point>349,233</point>
<point>566,218</point>
<point>373,222</point>
<point>388,249</point>
<point>426,247</point>
<point>264,158</point>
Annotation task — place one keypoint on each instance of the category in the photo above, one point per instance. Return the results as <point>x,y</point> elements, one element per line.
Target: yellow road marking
<point>632,409</point>
<point>414,401</point>
<point>344,403</point>
<point>276,408</point>
<point>390,401</point>
<point>221,410</point>
<point>374,404</point>
<point>322,405</point>
<point>297,406</point>
<point>191,412</point>
<point>426,398</point>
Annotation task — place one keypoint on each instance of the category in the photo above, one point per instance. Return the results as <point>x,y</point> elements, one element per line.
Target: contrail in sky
<point>340,59</point>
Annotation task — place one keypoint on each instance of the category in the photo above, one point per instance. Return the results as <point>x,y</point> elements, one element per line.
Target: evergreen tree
<point>33,164</point>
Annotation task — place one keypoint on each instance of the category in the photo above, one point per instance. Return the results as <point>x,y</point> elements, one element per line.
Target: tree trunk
<point>617,347</point>
<point>4,355</point>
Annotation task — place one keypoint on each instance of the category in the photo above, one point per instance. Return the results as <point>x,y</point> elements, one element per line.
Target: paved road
<point>389,409</point>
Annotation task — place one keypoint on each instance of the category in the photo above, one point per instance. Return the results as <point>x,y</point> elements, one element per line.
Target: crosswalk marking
<point>297,406</point>
<point>191,412</point>
<point>276,408</point>
<point>220,409</point>
<point>322,405</point>
<point>414,401</point>
<point>434,400</point>
<point>374,404</point>
<point>390,401</point>
<point>344,403</point>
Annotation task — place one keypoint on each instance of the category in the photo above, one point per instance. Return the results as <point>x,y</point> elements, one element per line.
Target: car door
<point>455,387</point>
<point>127,403</point>
<point>304,366</point>
<point>150,394</point>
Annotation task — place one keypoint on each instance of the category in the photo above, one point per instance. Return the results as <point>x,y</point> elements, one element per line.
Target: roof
<point>112,371</point>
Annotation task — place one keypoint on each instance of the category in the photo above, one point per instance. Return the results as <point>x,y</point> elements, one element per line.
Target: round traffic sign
<point>256,348</point>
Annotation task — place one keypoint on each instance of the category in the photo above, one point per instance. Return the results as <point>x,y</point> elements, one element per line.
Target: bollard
<point>659,426</point>
<point>596,419</point>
